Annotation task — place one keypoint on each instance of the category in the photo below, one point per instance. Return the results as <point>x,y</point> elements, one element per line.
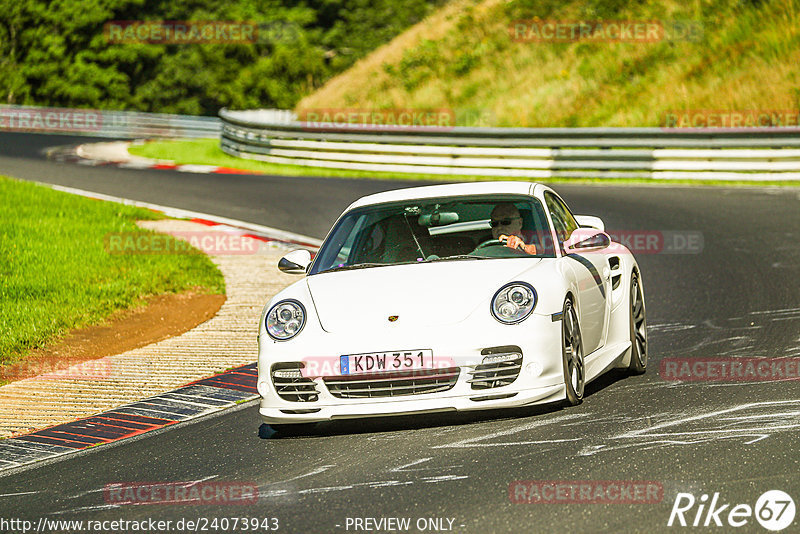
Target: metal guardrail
<point>116,124</point>
<point>678,153</point>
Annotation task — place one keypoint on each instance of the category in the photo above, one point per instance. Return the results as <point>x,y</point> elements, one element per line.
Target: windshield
<point>443,229</point>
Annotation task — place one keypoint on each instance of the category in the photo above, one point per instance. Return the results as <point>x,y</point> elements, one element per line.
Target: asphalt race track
<point>737,297</point>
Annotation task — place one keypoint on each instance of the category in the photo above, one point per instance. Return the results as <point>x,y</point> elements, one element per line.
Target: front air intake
<point>291,385</point>
<point>400,384</point>
<point>500,367</point>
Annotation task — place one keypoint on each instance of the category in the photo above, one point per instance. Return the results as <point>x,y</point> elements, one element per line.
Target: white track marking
<point>193,482</point>
<point>781,311</point>
<point>533,442</point>
<point>179,213</point>
<point>318,470</point>
<point>707,415</point>
<point>760,416</point>
<point>749,422</point>
<point>470,442</point>
<point>83,493</point>
<point>325,489</point>
<point>371,484</point>
<point>20,493</point>
<point>404,468</point>
<point>721,424</point>
<point>390,483</point>
<point>91,508</point>
<point>443,478</point>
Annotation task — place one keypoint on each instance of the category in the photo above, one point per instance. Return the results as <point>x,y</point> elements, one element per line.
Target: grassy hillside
<point>463,57</point>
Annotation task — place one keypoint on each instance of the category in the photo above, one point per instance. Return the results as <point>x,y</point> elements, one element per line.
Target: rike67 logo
<point>774,510</point>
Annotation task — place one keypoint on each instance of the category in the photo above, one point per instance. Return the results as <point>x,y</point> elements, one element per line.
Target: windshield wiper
<point>355,266</point>
<point>459,257</point>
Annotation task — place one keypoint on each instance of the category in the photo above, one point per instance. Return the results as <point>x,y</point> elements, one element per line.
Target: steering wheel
<point>490,243</point>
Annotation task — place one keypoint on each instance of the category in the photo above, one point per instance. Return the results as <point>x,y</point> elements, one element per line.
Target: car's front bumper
<point>540,378</point>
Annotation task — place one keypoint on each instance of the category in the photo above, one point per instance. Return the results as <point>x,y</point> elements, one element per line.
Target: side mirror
<point>590,221</point>
<point>295,262</point>
<point>586,239</point>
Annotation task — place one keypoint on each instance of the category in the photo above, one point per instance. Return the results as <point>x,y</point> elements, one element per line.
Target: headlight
<point>514,302</point>
<point>285,319</point>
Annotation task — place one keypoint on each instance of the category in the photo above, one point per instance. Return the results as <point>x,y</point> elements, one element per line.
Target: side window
<point>569,219</point>
<point>338,247</point>
<point>541,231</point>
<point>354,229</point>
<point>369,245</point>
<point>559,225</point>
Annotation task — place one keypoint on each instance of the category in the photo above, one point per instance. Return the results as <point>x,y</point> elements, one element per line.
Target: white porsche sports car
<point>416,302</point>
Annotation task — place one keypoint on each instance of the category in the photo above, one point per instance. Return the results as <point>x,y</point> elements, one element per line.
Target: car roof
<point>460,189</point>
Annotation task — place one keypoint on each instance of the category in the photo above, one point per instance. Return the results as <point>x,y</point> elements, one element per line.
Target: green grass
<point>741,55</point>
<point>207,152</point>
<point>55,272</point>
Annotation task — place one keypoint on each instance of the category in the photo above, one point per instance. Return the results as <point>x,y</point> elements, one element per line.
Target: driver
<point>507,226</point>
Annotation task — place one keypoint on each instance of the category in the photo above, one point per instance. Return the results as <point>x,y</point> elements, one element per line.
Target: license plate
<point>379,362</point>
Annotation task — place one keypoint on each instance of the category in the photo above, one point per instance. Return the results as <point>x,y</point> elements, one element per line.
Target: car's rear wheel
<point>572,354</point>
<point>638,322</point>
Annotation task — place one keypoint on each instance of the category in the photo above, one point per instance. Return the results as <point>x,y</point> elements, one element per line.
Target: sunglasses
<point>503,222</point>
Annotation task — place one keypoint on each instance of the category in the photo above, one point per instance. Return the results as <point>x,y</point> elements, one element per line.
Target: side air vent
<point>616,273</point>
<point>291,385</point>
<point>500,367</point>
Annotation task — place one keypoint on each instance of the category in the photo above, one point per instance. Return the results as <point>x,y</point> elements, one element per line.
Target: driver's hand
<point>513,241</point>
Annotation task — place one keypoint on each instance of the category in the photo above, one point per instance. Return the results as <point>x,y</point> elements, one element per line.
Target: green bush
<point>56,53</point>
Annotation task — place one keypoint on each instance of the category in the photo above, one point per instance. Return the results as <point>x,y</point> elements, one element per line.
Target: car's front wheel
<point>572,354</point>
<point>638,322</point>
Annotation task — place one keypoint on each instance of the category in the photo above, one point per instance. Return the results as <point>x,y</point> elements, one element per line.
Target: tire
<point>638,326</point>
<point>572,355</point>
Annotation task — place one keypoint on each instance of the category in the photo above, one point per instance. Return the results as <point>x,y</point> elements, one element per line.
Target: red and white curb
<point>116,154</point>
<point>196,399</point>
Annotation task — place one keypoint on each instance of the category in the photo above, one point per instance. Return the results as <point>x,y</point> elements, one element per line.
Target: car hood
<point>430,294</point>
